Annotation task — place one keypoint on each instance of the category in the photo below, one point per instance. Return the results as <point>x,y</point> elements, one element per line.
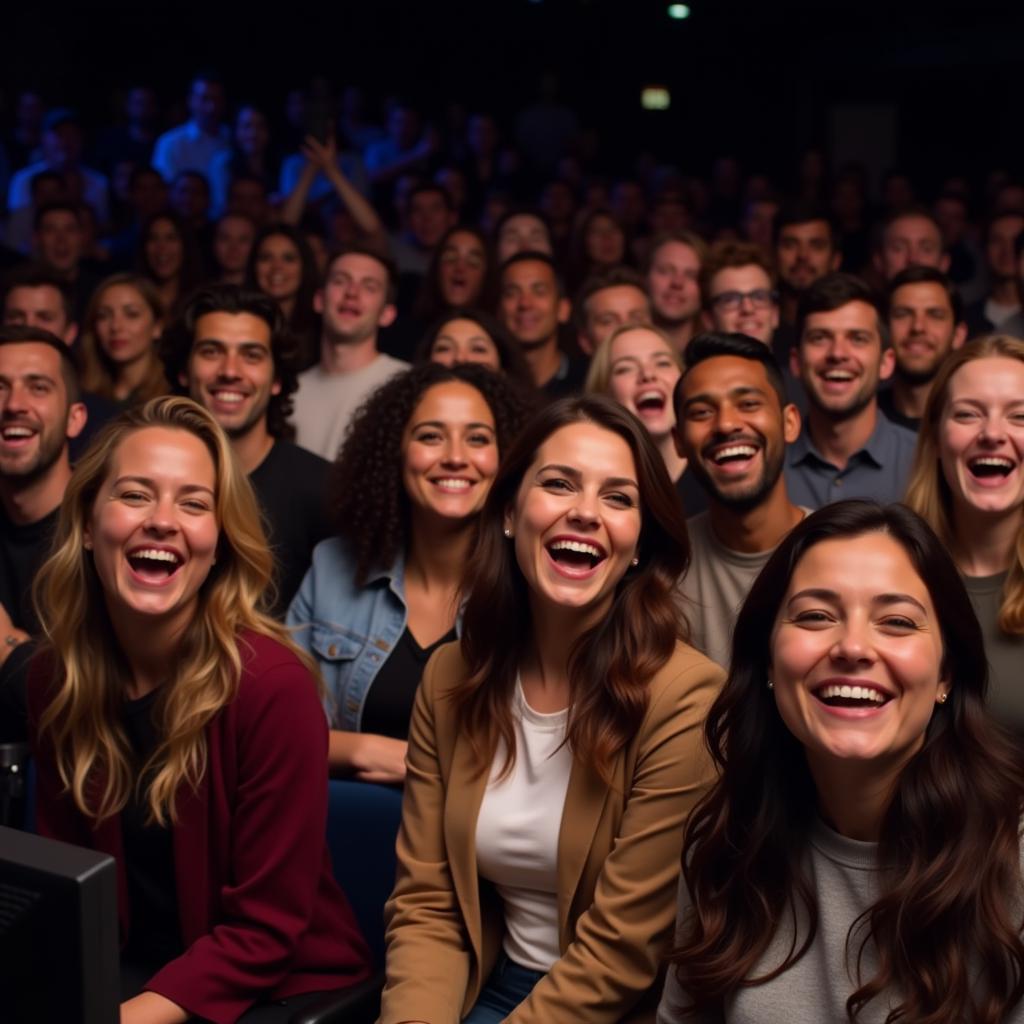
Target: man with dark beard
<point>232,351</point>
<point>926,323</point>
<point>847,448</point>
<point>40,412</point>
<point>733,423</point>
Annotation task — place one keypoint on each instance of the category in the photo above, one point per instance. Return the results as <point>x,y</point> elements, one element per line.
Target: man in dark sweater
<point>232,351</point>
<point>40,412</point>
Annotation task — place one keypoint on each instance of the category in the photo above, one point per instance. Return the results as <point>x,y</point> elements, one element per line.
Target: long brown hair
<point>946,925</point>
<point>612,663</point>
<point>99,371</point>
<point>928,492</point>
<point>90,673</point>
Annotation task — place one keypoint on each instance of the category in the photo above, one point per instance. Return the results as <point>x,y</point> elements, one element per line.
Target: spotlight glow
<point>655,97</point>
<point>678,11</point>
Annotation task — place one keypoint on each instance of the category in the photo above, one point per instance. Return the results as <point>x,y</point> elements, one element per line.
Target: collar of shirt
<point>879,449</point>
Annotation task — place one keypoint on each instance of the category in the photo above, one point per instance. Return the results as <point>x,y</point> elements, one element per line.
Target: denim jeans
<point>508,985</point>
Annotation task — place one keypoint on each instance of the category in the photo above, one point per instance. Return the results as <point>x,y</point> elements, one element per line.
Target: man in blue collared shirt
<point>847,448</point>
<point>193,145</point>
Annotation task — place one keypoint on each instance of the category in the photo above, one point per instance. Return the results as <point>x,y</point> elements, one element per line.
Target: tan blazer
<point>618,862</point>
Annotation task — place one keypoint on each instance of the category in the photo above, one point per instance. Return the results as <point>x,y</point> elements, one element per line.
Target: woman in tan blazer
<point>554,753</point>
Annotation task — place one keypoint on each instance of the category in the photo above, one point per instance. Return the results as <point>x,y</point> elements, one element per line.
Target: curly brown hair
<point>369,503</point>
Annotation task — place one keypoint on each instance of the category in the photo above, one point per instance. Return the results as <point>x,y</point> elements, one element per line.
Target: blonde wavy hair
<point>90,677</point>
<point>599,375</point>
<point>928,492</point>
<point>99,372</point>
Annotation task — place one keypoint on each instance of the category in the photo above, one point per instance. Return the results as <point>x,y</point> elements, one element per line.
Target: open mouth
<point>16,434</point>
<point>576,554</point>
<point>226,397</point>
<point>453,484</point>
<point>650,402</point>
<point>852,696</point>
<point>838,376</point>
<point>154,565</point>
<point>991,467</point>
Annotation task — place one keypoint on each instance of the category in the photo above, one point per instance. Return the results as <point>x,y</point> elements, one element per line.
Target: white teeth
<point>157,555</point>
<point>992,460</point>
<point>12,432</point>
<point>838,375</point>
<point>853,693</point>
<point>229,396</point>
<point>650,396</point>
<point>578,546</point>
<point>745,451</point>
<point>453,484</point>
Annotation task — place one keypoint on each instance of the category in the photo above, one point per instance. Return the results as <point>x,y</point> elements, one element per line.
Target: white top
<point>517,833</point>
<point>325,402</point>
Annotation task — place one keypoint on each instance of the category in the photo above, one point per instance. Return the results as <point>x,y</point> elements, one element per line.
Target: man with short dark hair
<point>846,449</point>
<point>429,214</point>
<point>231,349</point>
<point>806,249</point>
<point>39,413</point>
<point>59,241</point>
<point>193,145</point>
<point>733,423</point>
<point>606,301</point>
<point>926,323</point>
<point>910,237</point>
<point>39,297</point>
<point>532,305</point>
<point>1002,302</point>
<point>357,299</point>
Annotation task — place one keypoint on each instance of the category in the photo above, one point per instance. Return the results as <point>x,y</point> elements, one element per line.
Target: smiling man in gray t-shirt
<point>733,424</point>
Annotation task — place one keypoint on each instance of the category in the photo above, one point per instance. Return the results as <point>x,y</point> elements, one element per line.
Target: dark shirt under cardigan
<point>260,914</point>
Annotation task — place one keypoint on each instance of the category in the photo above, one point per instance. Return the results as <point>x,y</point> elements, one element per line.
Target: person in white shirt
<point>356,301</point>
<point>193,145</point>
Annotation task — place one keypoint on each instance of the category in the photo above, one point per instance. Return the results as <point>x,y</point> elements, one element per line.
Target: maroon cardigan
<point>261,915</point>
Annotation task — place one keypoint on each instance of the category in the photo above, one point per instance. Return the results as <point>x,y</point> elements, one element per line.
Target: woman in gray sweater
<point>859,857</point>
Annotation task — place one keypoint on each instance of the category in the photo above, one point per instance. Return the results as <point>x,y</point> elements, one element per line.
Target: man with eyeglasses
<point>737,284</point>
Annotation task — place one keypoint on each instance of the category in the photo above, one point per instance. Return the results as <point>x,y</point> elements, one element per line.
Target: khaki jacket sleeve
<point>427,957</point>
<point>621,940</point>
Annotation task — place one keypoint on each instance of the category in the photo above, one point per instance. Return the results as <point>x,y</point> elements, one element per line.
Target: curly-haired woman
<point>383,593</point>
<point>178,729</point>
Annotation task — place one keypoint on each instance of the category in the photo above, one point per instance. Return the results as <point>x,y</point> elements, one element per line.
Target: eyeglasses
<point>760,298</point>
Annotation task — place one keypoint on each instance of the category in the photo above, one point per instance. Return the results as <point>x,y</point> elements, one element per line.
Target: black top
<point>886,404</point>
<point>155,934</point>
<point>388,706</point>
<point>23,549</point>
<point>569,378</point>
<point>291,487</point>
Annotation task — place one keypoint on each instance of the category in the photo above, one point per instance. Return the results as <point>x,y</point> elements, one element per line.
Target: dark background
<point>759,81</point>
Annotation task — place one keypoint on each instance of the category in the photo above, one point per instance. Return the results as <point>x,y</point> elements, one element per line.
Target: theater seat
<point>362,824</point>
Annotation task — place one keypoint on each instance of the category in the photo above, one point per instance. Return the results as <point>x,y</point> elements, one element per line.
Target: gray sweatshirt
<point>844,876</point>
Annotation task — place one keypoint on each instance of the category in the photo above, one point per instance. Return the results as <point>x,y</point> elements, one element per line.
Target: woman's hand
<point>10,635</point>
<point>150,1008</point>
<point>322,155</point>
<point>368,757</point>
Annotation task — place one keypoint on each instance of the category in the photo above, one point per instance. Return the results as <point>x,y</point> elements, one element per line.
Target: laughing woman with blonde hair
<point>968,483</point>
<point>177,728</point>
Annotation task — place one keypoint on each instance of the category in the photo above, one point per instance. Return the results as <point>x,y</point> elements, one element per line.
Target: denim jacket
<point>349,630</point>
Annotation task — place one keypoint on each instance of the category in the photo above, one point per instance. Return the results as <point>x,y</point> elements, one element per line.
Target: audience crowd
<point>659,537</point>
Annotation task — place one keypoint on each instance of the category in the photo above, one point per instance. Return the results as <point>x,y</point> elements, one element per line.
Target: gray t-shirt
<point>715,585</point>
<point>325,402</point>
<point>844,876</point>
<point>1005,653</point>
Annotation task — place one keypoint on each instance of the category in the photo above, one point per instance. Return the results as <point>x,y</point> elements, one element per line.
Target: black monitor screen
<point>58,932</point>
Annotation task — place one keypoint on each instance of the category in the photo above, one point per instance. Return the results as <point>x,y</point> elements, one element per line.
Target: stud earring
<point>635,562</point>
<point>943,697</point>
<point>508,531</point>
<point>771,685</point>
